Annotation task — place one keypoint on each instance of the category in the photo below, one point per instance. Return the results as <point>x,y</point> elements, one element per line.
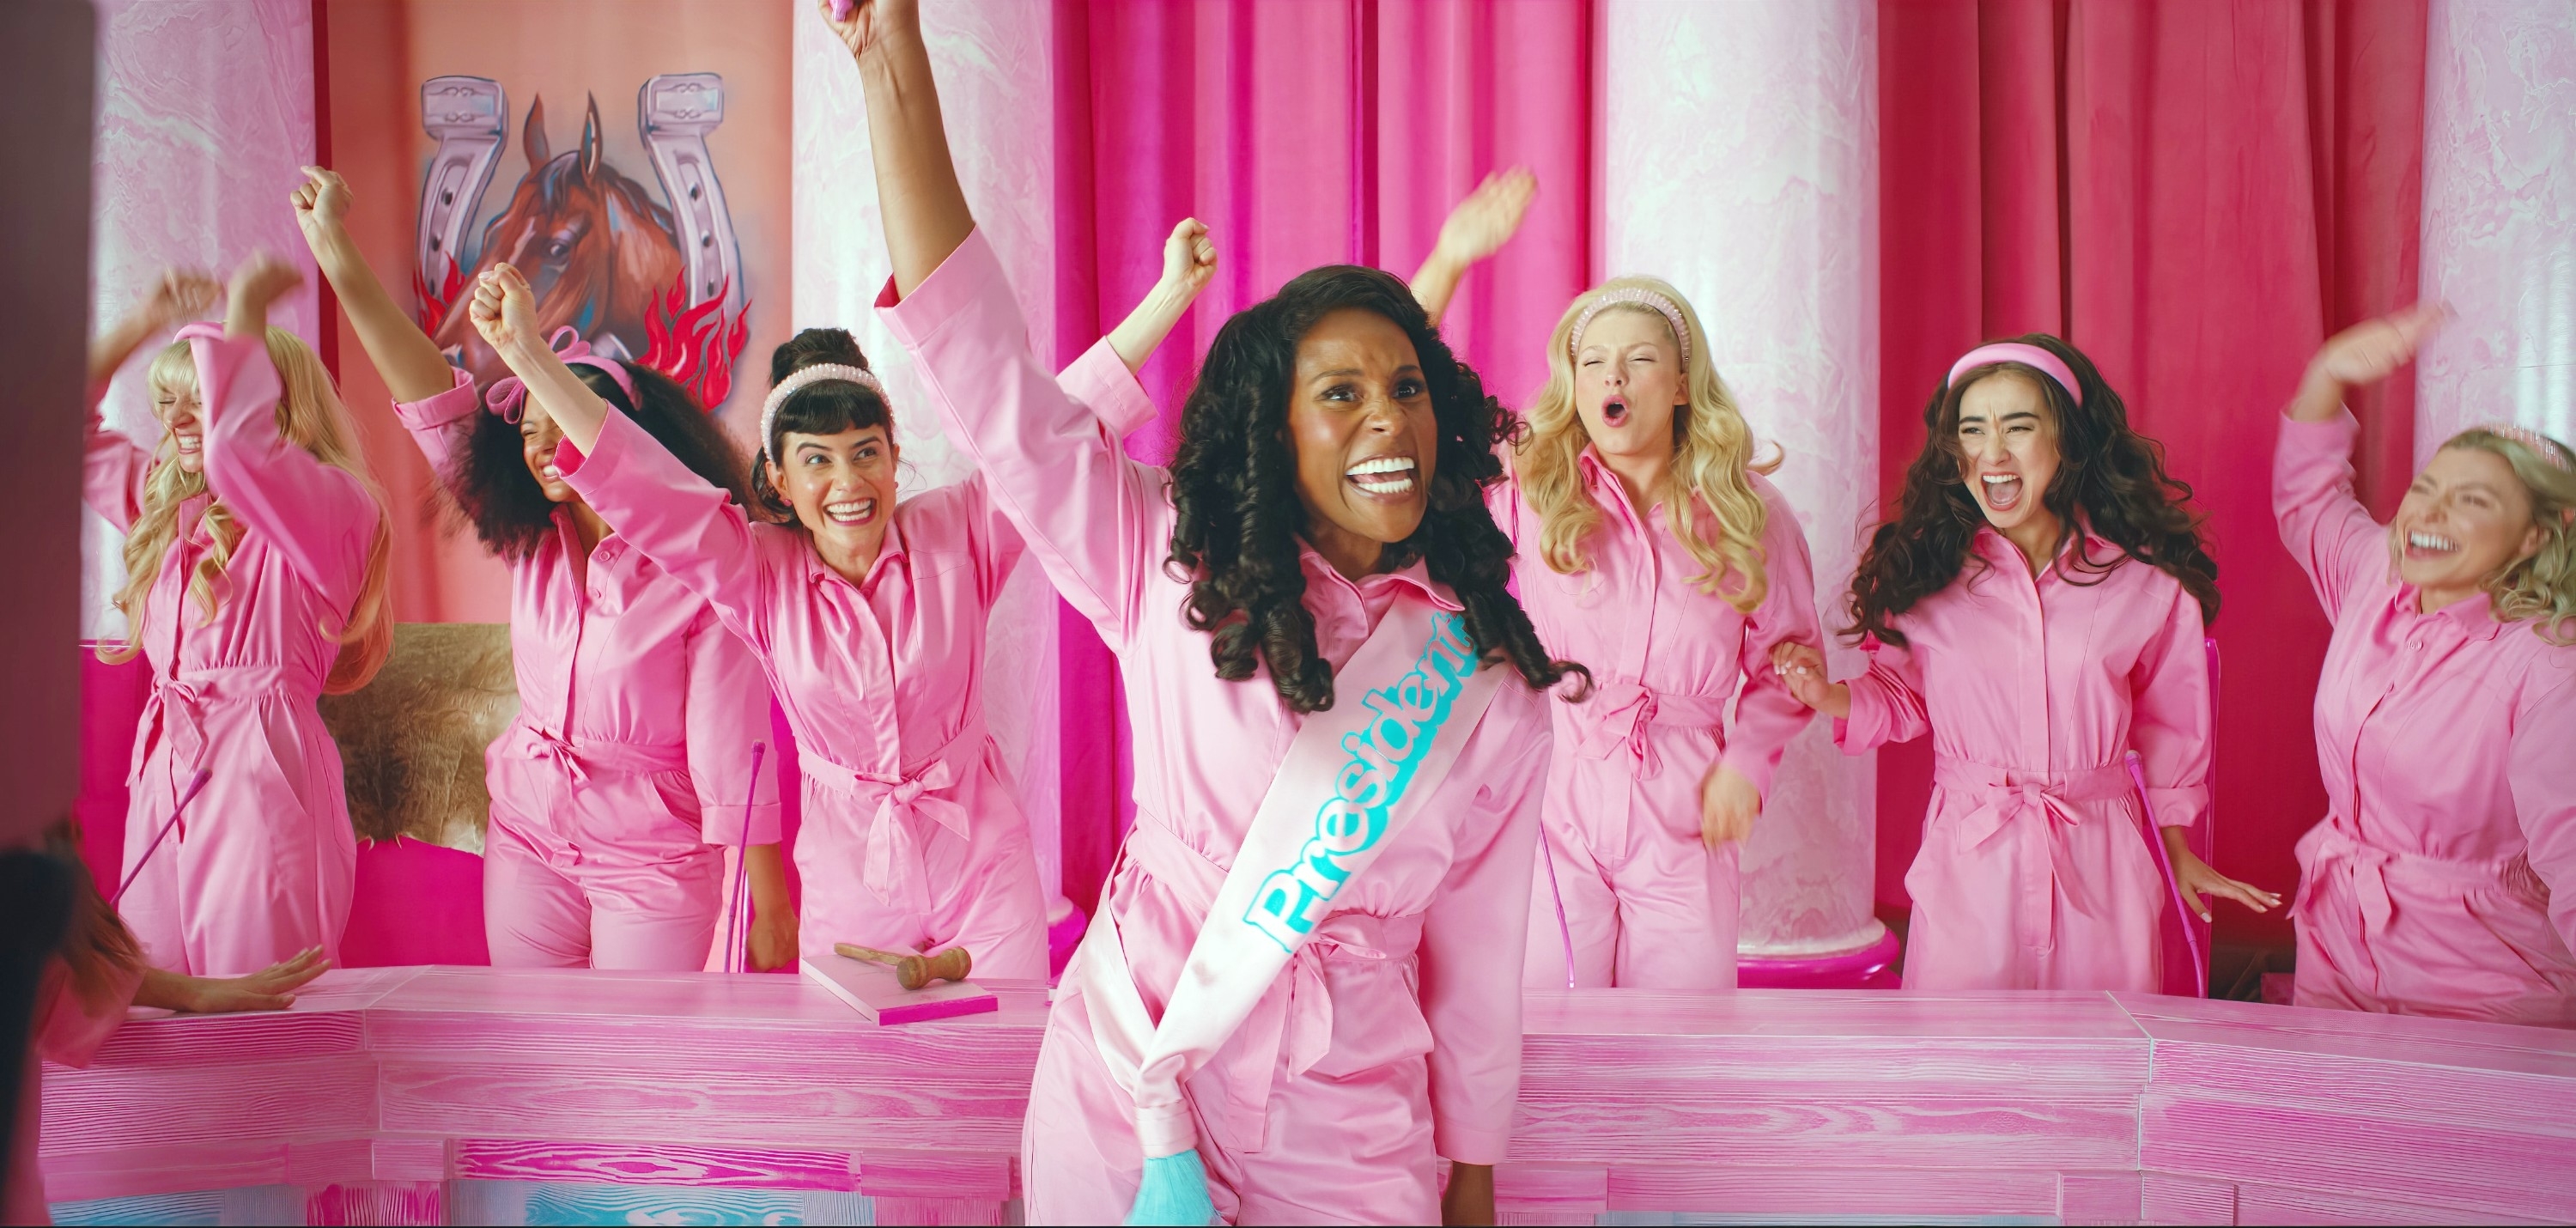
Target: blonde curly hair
<point>2542,587</point>
<point>309,414</point>
<point>1713,457</point>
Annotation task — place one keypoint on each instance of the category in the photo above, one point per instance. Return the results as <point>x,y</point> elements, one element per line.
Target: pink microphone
<point>194,787</point>
<point>841,9</point>
<point>734,935</point>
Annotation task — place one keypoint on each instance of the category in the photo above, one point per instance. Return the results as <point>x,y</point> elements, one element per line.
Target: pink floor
<point>411,1095</point>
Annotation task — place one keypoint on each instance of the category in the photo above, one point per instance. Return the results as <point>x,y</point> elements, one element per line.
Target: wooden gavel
<point>913,971</point>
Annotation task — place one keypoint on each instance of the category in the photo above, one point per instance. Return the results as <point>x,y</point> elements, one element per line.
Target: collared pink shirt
<point>1452,891</point>
<point>2443,879</point>
<point>619,664</point>
<point>1666,655</point>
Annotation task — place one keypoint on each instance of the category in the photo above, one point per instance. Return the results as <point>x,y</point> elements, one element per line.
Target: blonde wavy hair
<point>2543,587</point>
<point>1712,458</point>
<point>310,415</point>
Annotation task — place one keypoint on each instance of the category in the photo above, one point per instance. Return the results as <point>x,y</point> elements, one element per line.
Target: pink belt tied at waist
<point>2034,807</point>
<point>577,758</point>
<point>1295,1017</point>
<point>177,707</point>
<point>2368,867</point>
<point>1619,714</point>
<point>891,863</point>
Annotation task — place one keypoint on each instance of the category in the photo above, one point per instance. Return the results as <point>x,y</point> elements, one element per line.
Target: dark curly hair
<point>511,513</point>
<point>2111,474</point>
<point>825,407</point>
<point>1234,485</point>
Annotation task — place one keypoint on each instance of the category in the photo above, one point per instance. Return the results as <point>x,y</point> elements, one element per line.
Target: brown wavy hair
<point>2108,475</point>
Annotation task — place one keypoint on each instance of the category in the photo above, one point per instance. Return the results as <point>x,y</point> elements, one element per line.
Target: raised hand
<point>1802,669</point>
<point>179,296</point>
<point>1189,259</point>
<point>864,25</point>
<point>504,310</point>
<point>1728,804</point>
<point>259,282</point>
<point>321,201</point>
<point>1488,218</point>
<point>2370,351</point>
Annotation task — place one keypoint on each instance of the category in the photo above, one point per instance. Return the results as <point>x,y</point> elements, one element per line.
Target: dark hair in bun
<point>827,407</point>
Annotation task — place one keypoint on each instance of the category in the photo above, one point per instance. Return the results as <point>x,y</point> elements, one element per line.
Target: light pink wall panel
<point>996,94</point>
<point>2499,218</point>
<point>205,110</point>
<point>1740,162</point>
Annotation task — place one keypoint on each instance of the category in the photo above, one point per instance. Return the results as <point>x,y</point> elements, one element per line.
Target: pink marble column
<point>2499,218</point>
<point>205,110</point>
<point>994,61</point>
<point>1739,162</point>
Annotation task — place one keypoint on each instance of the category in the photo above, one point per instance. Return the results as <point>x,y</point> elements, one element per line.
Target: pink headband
<point>1633,296</point>
<point>2013,351</point>
<point>2548,449</point>
<point>508,396</point>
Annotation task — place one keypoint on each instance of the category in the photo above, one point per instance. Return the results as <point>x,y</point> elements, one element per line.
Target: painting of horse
<point>600,252</point>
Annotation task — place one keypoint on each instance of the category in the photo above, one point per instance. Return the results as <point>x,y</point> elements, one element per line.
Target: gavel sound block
<point>888,987</point>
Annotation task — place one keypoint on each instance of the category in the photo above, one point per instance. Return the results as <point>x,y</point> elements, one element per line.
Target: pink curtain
<point>1302,134</point>
<point>2196,193</point>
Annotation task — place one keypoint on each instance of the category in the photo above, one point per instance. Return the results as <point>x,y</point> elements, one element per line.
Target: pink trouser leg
<point>534,915</point>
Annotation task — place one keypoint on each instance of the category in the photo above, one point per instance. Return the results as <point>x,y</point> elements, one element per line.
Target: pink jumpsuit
<point>912,837</point>
<point>2443,879</point>
<point>1395,1034</point>
<point>2035,872</point>
<point>261,865</point>
<point>65,1029</point>
<point>630,759</point>
<point>1647,905</point>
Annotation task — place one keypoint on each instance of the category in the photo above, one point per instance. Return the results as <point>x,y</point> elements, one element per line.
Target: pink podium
<point>469,1095</point>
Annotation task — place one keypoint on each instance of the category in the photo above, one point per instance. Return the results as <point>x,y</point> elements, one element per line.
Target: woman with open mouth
<point>630,765</point>
<point>2038,606</point>
<point>866,610</point>
<point>1315,924</point>
<point>255,563</point>
<point>1651,547</point>
<point>2443,879</point>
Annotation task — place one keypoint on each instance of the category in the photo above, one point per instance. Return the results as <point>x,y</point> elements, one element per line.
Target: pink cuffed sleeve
<point>727,715</point>
<point>2542,777</point>
<point>2169,716</point>
<point>1767,715</point>
<point>1088,513</point>
<point>686,526</point>
<point>1101,381</point>
<point>113,470</point>
<point>320,517</point>
<point>443,425</point>
<point>2327,530</point>
<point>1473,937</point>
<point>1886,702</point>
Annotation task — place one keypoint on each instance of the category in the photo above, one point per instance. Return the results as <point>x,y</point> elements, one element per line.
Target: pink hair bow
<point>508,396</point>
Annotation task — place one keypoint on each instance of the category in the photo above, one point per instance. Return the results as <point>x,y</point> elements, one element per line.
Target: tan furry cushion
<point>411,741</point>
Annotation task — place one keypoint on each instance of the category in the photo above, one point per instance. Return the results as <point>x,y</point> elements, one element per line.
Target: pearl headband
<point>799,381</point>
<point>2547,449</point>
<point>2048,364</point>
<point>1631,296</point>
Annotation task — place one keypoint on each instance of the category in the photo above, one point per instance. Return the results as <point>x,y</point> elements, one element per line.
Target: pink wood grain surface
<point>2086,1108</point>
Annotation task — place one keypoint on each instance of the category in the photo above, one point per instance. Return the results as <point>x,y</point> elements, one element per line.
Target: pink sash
<point>1354,777</point>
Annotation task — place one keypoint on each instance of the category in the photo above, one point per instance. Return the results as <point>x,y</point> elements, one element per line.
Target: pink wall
<point>1759,123</point>
<point>2500,218</point>
<point>205,110</point>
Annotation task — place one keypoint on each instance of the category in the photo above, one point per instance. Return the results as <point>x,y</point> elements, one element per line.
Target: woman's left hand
<point>259,282</point>
<point>1488,218</point>
<point>1189,259</point>
<point>1728,804</point>
<point>772,943</point>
